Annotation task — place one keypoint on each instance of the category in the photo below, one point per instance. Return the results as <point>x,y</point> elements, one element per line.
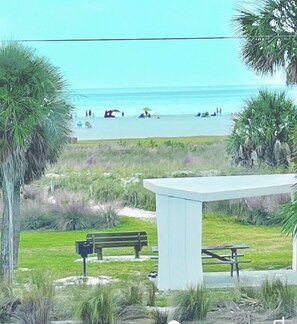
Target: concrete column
<point>179,241</point>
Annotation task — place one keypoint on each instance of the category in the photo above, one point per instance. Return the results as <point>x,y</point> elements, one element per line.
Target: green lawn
<point>55,251</point>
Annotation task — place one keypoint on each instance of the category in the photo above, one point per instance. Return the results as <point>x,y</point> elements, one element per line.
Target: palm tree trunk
<point>4,238</point>
<point>16,225</point>
<point>7,228</point>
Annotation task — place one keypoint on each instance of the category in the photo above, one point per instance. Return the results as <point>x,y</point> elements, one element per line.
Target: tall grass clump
<point>132,294</point>
<point>8,303</point>
<point>38,301</point>
<point>106,216</point>
<point>159,315</point>
<point>192,304</point>
<point>107,189</point>
<point>97,306</point>
<point>152,289</point>
<point>276,295</point>
<point>137,196</point>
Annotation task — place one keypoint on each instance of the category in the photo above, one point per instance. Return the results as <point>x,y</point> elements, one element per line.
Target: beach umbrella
<point>146,109</point>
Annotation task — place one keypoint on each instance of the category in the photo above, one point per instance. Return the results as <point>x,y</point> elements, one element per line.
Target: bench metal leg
<point>137,252</point>
<point>99,253</point>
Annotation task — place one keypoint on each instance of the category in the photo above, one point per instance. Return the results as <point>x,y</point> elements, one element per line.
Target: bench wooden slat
<point>136,239</point>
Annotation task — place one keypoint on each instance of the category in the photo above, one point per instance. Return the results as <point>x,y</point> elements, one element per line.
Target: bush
<point>37,303</point>
<point>108,189</point>
<point>263,131</point>
<point>192,304</point>
<point>97,307</point>
<point>8,304</point>
<point>137,196</point>
<point>160,315</point>
<point>106,216</point>
<point>131,295</point>
<point>277,295</point>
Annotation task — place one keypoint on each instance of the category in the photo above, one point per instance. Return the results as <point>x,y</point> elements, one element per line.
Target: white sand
<point>166,126</point>
<point>136,212</point>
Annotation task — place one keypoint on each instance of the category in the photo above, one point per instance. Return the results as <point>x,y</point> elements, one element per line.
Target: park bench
<point>228,255</point>
<point>136,239</point>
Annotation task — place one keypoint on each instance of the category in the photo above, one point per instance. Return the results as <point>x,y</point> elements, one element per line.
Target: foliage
<point>37,302</point>
<point>278,296</point>
<point>67,211</point>
<point>130,295</point>
<point>159,315</point>
<point>152,289</point>
<point>269,40</point>
<point>191,304</point>
<point>263,131</point>
<point>136,195</point>
<point>34,128</point>
<point>96,307</point>
<point>8,303</point>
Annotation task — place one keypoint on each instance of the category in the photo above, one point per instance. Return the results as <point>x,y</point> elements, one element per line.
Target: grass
<point>269,249</point>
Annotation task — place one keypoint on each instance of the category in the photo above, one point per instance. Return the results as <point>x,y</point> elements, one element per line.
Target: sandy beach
<point>163,126</point>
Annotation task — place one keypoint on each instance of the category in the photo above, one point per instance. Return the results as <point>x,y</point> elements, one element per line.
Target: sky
<point>133,64</point>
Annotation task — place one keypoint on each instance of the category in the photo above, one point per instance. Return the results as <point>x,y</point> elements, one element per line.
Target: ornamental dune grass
<point>37,303</point>
<point>277,295</point>
<point>114,170</point>
<point>96,307</point>
<point>66,211</point>
<point>191,304</point>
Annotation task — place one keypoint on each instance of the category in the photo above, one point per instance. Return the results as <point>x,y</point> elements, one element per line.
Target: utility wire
<point>140,39</point>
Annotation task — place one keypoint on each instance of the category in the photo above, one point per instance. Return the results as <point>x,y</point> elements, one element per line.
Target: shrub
<point>131,295</point>
<point>97,307</point>
<point>277,295</point>
<point>137,196</point>
<point>37,303</point>
<point>263,131</point>
<point>106,216</point>
<point>8,303</point>
<point>192,304</point>
<point>152,289</point>
<point>159,315</point>
<point>108,189</point>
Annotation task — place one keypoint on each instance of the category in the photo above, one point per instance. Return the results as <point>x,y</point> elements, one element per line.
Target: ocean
<point>166,100</point>
<point>173,110</point>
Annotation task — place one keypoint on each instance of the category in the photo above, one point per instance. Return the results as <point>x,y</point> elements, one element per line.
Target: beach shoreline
<point>156,126</point>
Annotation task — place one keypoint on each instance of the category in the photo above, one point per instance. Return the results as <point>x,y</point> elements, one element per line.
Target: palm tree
<point>263,131</point>
<point>269,37</point>
<point>33,119</point>
<point>269,44</point>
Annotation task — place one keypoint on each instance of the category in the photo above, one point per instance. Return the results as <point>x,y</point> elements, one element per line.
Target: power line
<point>137,39</point>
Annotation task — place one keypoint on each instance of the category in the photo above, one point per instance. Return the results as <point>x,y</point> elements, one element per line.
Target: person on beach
<point>123,114</point>
<point>86,113</point>
<point>90,113</point>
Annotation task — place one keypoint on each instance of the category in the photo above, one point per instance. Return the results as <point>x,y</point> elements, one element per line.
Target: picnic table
<point>179,206</point>
<point>225,254</point>
<point>230,257</point>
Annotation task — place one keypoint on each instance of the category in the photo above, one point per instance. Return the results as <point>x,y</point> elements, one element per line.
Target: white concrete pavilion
<point>179,219</point>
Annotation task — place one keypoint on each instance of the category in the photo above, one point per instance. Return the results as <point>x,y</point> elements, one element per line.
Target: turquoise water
<point>165,101</point>
<point>173,111</point>
<point>165,126</point>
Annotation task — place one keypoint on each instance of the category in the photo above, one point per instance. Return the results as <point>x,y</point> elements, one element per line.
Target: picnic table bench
<point>136,239</point>
<point>229,255</point>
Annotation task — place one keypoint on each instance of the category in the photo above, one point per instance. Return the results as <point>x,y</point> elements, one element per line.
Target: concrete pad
<point>248,278</point>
